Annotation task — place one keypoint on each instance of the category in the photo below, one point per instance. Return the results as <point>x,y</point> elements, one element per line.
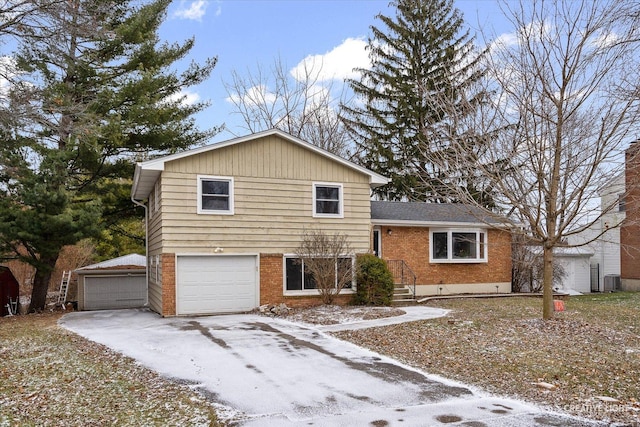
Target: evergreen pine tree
<point>101,94</point>
<point>420,58</point>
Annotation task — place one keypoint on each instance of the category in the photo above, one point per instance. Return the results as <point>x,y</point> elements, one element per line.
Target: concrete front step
<point>403,302</point>
<point>402,296</point>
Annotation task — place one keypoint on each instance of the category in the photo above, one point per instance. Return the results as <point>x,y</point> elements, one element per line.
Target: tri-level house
<point>224,221</point>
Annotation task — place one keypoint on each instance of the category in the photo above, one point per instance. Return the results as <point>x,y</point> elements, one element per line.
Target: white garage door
<point>114,292</point>
<point>216,284</point>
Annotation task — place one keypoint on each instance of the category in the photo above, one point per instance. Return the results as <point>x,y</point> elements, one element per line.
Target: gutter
<point>434,224</point>
<point>101,272</point>
<point>146,242</point>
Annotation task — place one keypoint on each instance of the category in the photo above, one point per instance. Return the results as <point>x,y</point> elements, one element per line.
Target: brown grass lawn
<point>589,355</point>
<point>52,377</point>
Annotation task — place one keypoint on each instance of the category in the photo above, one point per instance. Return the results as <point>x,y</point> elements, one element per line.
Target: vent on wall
<point>612,282</point>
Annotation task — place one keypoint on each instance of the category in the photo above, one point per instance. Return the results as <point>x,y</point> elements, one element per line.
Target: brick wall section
<point>411,244</point>
<point>272,285</point>
<point>271,277</point>
<point>630,229</point>
<point>168,284</point>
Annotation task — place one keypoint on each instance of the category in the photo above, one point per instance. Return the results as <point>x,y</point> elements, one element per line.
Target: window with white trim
<point>296,277</point>
<point>327,200</point>
<point>215,195</point>
<point>152,204</point>
<point>156,197</point>
<point>458,246</point>
<point>152,270</point>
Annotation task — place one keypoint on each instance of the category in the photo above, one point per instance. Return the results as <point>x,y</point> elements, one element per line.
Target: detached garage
<point>209,284</point>
<point>114,284</point>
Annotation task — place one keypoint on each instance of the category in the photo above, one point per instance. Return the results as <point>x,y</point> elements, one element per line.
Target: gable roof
<point>425,214</point>
<point>131,261</point>
<point>147,173</point>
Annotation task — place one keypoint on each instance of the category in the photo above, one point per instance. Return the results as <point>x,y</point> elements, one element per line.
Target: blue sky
<point>246,33</point>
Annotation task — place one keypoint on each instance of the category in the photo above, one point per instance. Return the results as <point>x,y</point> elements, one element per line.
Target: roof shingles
<point>430,212</point>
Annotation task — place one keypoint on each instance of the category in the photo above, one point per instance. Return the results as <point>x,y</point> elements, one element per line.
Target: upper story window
<point>215,195</point>
<point>152,204</point>
<point>156,195</point>
<point>462,246</point>
<point>327,200</point>
<point>154,199</point>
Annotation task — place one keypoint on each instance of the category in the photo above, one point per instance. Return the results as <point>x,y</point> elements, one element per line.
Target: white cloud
<point>505,40</point>
<point>256,95</point>
<point>605,40</point>
<point>193,10</point>
<point>7,71</point>
<point>339,63</point>
<point>185,97</point>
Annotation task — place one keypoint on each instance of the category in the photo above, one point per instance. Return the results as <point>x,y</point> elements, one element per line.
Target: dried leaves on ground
<point>586,362</point>
<point>52,377</point>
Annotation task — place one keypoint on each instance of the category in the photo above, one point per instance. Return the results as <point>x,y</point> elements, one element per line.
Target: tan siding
<point>257,159</point>
<point>154,224</point>
<point>155,288</point>
<point>273,183</point>
<point>155,235</point>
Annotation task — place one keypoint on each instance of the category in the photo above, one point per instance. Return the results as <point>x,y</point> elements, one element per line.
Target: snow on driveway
<point>271,372</point>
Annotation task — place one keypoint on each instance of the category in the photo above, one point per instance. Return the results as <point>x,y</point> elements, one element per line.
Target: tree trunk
<point>547,283</point>
<point>41,281</point>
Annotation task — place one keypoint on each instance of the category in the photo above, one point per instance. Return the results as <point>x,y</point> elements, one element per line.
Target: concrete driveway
<point>262,371</point>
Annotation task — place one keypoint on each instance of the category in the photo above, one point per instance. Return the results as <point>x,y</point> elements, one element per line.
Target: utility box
<point>612,282</point>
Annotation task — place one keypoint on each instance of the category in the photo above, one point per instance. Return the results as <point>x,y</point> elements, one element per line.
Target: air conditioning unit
<point>612,282</point>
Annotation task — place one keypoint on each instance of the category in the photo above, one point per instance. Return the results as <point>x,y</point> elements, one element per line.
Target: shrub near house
<point>375,282</point>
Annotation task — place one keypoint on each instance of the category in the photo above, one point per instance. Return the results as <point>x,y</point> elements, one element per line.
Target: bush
<point>374,281</point>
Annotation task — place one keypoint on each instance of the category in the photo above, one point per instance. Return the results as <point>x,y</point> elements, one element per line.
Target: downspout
<point>146,243</point>
<point>602,249</point>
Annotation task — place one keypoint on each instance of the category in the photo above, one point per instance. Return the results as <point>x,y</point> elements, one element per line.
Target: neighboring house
<point>224,222</point>
<point>630,230</point>
<point>604,237</point>
<point>451,248</point>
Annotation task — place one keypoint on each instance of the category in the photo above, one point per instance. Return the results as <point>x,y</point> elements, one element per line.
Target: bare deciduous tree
<point>565,105</point>
<point>298,103</point>
<point>20,15</point>
<point>18,18</point>
<point>528,267</point>
<point>329,260</point>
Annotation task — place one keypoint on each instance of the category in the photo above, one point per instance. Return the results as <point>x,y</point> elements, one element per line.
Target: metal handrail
<point>402,274</point>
